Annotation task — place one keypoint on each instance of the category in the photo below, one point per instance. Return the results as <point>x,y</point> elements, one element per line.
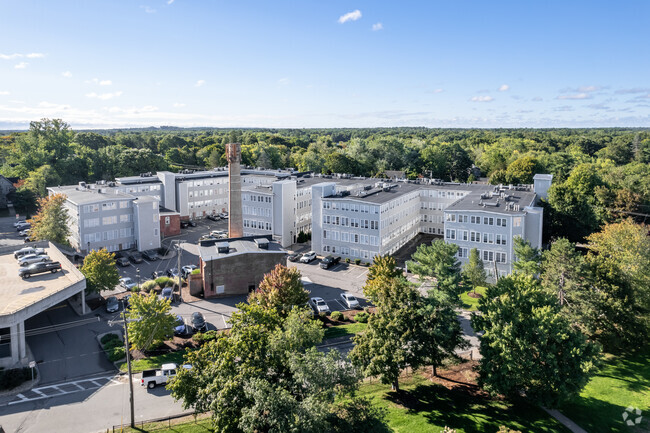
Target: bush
<point>108,337</point>
<point>112,344</point>
<point>361,317</point>
<point>202,337</point>
<point>322,314</point>
<point>116,354</point>
<point>148,286</point>
<point>165,282</point>
<point>10,379</point>
<point>357,261</point>
<point>135,289</point>
<point>347,260</point>
<point>337,315</point>
<point>302,237</point>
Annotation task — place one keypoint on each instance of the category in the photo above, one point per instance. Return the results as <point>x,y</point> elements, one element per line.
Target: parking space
<point>8,234</point>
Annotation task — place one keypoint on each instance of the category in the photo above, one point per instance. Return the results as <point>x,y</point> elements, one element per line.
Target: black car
<point>329,261</point>
<point>172,273</point>
<point>198,322</point>
<point>192,223</point>
<point>214,217</point>
<point>39,268</point>
<point>294,257</point>
<point>122,261</point>
<point>185,224</point>
<point>135,257</point>
<point>150,255</point>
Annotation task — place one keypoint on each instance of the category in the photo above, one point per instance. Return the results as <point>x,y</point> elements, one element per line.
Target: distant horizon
<point>314,65</point>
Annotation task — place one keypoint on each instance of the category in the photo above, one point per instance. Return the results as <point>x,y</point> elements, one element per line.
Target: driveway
<point>8,234</point>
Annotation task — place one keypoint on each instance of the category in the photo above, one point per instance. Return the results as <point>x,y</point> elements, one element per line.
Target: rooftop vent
<point>223,247</point>
<point>262,243</point>
<point>82,185</point>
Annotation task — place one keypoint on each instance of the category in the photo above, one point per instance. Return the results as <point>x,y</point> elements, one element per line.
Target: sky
<point>325,63</point>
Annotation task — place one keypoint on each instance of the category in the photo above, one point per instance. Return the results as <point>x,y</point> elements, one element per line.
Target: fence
<point>152,425</point>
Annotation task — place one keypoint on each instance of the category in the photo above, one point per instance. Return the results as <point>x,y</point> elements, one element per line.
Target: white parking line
<point>341,304</point>
<point>110,382</point>
<point>362,274</point>
<point>224,321</point>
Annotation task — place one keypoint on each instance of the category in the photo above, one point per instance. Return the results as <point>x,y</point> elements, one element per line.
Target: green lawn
<point>341,330</point>
<point>154,361</point>
<point>182,425</point>
<point>469,303</point>
<point>428,407</point>
<point>621,382</point>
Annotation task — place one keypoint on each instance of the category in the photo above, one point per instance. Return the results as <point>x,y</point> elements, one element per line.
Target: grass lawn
<point>469,303</point>
<point>154,361</point>
<point>181,425</point>
<point>341,330</point>
<point>424,406</point>
<point>621,382</point>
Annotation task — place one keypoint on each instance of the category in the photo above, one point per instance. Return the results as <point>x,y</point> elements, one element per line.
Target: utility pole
<point>128,365</point>
<point>180,286</point>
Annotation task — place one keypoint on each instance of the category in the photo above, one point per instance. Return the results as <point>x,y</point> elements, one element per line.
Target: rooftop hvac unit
<point>223,247</point>
<point>82,185</point>
<point>262,243</point>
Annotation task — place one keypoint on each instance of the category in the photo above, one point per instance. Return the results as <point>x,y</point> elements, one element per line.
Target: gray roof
<point>238,246</point>
<point>543,177</point>
<point>84,196</point>
<point>513,201</point>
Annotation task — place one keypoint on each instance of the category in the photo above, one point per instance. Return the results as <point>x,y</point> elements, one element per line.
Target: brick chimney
<point>235,221</point>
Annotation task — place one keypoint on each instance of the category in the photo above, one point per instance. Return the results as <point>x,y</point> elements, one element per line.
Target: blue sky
<point>331,63</point>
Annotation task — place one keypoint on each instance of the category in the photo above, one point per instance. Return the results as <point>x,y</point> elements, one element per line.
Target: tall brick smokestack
<point>235,221</point>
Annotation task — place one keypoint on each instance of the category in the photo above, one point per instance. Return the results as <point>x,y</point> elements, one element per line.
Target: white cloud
<point>103,96</point>
<point>504,88</point>
<point>350,16</point>
<point>284,81</point>
<point>170,2</point>
<point>148,9</point>
<point>67,74</point>
<point>99,82</point>
<point>178,105</point>
<point>589,88</point>
<point>20,56</point>
<point>199,83</point>
<point>575,96</point>
<point>632,90</point>
<point>437,90</point>
<point>482,99</point>
<point>105,83</point>
<point>21,65</point>
<point>377,27</point>
<point>4,92</point>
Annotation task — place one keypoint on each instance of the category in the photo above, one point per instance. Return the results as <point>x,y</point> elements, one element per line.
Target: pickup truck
<point>39,268</point>
<point>152,378</point>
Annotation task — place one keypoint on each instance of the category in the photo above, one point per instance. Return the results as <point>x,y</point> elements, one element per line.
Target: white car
<point>32,258</point>
<point>224,215</point>
<point>219,234</point>
<point>127,283</point>
<point>349,301</point>
<point>26,251</point>
<point>308,257</point>
<point>319,305</point>
<point>187,270</point>
<point>17,223</point>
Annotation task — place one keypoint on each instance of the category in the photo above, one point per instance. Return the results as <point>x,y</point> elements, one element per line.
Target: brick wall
<point>170,225</point>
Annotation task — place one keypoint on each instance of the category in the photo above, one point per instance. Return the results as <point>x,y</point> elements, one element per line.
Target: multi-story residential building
<point>102,216</point>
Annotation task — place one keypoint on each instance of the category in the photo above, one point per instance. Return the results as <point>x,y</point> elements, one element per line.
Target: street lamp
<point>137,273</point>
<point>128,359</point>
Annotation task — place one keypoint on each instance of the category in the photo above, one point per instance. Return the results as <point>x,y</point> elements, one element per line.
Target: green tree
<point>151,321</point>
<point>522,170</point>
<point>527,258</point>
<point>383,269</point>
<point>51,221</point>
<point>474,270</point>
<point>439,261</point>
<point>529,346</point>
<point>280,289</point>
<point>100,271</point>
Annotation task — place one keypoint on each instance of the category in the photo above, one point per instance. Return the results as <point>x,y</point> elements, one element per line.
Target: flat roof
<point>484,202</point>
<point>18,293</point>
<point>88,195</point>
<point>238,246</point>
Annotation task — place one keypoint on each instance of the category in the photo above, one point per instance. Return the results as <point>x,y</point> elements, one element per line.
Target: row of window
<point>258,198</point>
<point>443,194</point>
<point>347,251</point>
<point>485,255</point>
<point>254,224</point>
<point>111,205</point>
<point>215,202</point>
<point>256,211</point>
<point>352,207</point>
<point>351,222</point>
<point>109,235</point>
<point>472,236</point>
<point>355,238</point>
<point>206,192</point>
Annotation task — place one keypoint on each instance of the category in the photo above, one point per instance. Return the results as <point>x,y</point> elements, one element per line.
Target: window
<point>488,220</point>
<point>516,222</point>
<point>463,235</point>
<point>488,256</point>
<point>475,220</point>
<point>500,239</point>
<point>109,220</point>
<point>451,217</point>
<point>109,206</point>
<point>475,236</point>
<point>462,253</point>
<point>501,222</point>
<point>501,257</point>
<point>462,218</point>
<point>124,204</point>
<point>488,238</point>
<point>91,222</point>
<point>450,234</point>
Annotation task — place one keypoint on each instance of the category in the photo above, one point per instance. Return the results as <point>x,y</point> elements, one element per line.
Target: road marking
<point>362,274</point>
<point>306,280</point>
<point>341,304</point>
<point>41,395</point>
<point>146,261</point>
<point>224,321</point>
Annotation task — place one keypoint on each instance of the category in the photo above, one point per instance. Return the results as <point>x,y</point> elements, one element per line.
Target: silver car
<point>319,305</point>
<point>349,301</point>
<point>32,258</point>
<point>127,283</point>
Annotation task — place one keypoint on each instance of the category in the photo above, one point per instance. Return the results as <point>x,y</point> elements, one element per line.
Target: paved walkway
<point>575,428</point>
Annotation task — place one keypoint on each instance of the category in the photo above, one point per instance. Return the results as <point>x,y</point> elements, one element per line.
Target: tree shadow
<point>598,416</point>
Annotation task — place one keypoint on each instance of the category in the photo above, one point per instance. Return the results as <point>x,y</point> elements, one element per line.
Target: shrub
<point>347,260</point>
<point>112,344</point>
<point>336,315</point>
<point>116,354</point>
<point>322,314</point>
<point>357,261</point>
<point>166,282</point>
<point>135,289</point>
<point>148,286</point>
<point>361,317</point>
<point>10,379</point>
<point>108,337</point>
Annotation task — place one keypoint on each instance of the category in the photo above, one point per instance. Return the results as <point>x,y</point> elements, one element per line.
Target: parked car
<point>28,250</point>
<point>152,378</point>
<point>308,257</point>
<point>218,234</point>
<point>150,255</point>
<point>224,215</point>
<point>39,268</point>
<point>19,222</point>
<point>192,223</point>
<point>214,217</point>
<point>127,283</point>
<point>181,329</point>
<point>329,261</point>
<point>185,224</point>
<point>349,301</point>
<point>135,257</point>
<point>27,240</point>
<point>187,270</point>
<point>198,322</point>
<point>122,261</point>
<point>319,305</point>
<point>126,301</point>
<point>294,257</point>
<point>167,293</point>
<point>172,273</point>
<point>23,226</point>
<point>32,258</point>
<point>24,233</point>
<point>112,305</point>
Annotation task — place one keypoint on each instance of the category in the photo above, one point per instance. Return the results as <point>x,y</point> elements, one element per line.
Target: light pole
<point>128,361</point>
<point>137,273</point>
